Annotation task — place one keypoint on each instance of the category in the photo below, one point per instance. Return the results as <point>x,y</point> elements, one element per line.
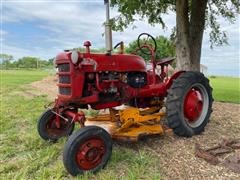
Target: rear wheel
<point>189,104</point>
<point>87,150</point>
<point>48,130</point>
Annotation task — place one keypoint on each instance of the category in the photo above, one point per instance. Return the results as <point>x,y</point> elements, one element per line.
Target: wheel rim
<point>90,153</point>
<point>53,130</point>
<point>196,105</point>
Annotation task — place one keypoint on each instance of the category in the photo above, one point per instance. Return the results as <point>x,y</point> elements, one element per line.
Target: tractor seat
<point>164,61</point>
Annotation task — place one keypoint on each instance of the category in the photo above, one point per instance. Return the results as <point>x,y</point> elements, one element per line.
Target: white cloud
<point>19,52</point>
<point>72,23</point>
<point>223,60</point>
<point>3,33</point>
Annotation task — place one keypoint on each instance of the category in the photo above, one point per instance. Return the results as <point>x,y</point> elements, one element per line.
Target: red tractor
<point>108,80</point>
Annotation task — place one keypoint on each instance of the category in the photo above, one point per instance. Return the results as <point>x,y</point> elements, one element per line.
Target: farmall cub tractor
<point>106,81</point>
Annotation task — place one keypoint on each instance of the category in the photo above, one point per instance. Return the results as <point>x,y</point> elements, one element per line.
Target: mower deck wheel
<point>87,150</point>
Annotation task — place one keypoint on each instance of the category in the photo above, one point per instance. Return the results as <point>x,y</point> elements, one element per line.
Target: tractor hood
<point>104,62</point>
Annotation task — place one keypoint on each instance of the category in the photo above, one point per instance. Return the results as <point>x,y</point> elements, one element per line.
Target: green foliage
<point>165,48</point>
<point>24,62</point>
<point>152,10</point>
<point>228,9</point>
<point>32,62</point>
<point>5,60</point>
<point>27,62</point>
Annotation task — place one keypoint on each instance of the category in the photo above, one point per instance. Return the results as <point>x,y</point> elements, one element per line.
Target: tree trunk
<point>197,23</point>
<point>189,33</point>
<point>182,38</point>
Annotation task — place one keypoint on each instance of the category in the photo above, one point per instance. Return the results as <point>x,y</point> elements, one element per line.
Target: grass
<point>23,155</point>
<point>226,89</point>
<point>12,79</point>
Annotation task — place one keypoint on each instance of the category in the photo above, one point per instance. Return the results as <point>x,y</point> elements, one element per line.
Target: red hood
<point>115,62</point>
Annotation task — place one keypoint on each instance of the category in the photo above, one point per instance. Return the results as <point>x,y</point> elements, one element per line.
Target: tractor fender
<point>174,76</point>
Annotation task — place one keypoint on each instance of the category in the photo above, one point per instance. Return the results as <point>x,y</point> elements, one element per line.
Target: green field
<point>23,155</point>
<point>12,79</point>
<point>226,89</point>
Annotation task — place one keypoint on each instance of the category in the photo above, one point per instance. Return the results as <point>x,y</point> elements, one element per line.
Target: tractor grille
<point>65,91</point>
<point>64,79</point>
<point>64,67</point>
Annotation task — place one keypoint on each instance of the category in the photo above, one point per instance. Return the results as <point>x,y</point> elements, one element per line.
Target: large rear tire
<point>87,150</point>
<point>189,104</point>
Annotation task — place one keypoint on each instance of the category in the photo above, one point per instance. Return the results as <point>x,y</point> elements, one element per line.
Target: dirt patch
<point>47,86</point>
<point>29,93</point>
<point>176,155</point>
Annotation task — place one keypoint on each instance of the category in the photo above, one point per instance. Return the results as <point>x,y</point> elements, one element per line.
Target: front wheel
<point>48,130</point>
<point>87,150</point>
<point>189,104</point>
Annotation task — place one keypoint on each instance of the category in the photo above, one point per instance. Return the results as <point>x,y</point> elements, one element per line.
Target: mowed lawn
<point>226,89</point>
<point>23,155</point>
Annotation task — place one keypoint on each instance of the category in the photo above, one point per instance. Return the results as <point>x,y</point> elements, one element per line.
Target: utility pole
<point>37,63</point>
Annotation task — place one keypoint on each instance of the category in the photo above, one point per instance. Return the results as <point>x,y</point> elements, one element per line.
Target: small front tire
<point>48,130</point>
<point>87,150</point>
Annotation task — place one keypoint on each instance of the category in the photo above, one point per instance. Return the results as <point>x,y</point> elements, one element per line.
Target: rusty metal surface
<point>201,153</point>
<point>220,154</point>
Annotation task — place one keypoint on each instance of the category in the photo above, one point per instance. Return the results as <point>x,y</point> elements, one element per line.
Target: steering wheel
<point>143,39</point>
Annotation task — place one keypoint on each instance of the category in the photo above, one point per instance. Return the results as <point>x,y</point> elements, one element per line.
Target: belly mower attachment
<point>129,123</point>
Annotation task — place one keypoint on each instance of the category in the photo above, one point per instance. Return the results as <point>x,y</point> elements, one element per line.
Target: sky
<point>43,28</point>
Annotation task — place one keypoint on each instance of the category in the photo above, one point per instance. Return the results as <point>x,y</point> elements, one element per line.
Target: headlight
<point>74,57</point>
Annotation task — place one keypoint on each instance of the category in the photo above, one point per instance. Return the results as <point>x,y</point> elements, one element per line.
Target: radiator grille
<point>64,79</point>
<point>64,67</point>
<point>64,90</point>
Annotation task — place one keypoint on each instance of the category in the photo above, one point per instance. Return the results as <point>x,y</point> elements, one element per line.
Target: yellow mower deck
<point>129,123</point>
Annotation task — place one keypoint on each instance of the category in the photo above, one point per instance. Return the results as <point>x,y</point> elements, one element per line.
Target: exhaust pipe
<point>108,29</point>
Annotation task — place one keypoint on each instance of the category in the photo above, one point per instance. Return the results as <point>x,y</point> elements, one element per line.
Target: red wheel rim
<point>193,105</point>
<point>53,130</point>
<point>90,153</point>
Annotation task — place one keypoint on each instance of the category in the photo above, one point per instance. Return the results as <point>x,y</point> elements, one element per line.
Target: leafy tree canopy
<point>7,62</point>
<point>152,10</point>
